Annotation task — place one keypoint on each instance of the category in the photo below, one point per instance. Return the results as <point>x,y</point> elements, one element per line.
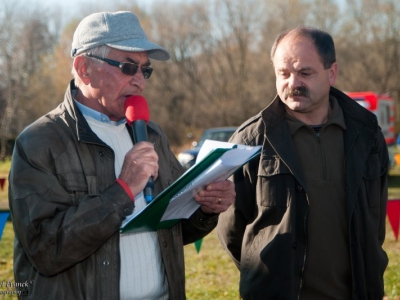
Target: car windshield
<point>222,136</point>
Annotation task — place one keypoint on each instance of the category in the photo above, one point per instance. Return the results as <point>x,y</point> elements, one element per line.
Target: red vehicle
<point>382,105</point>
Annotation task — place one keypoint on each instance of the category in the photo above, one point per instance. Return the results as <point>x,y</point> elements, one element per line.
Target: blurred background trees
<point>219,73</point>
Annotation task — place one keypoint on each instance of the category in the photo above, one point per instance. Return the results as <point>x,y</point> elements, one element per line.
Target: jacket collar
<point>361,129</point>
<point>335,117</point>
<point>357,119</point>
<point>276,128</point>
<point>82,129</point>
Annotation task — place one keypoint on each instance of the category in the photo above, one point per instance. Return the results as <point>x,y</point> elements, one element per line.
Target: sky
<point>81,8</point>
<point>73,5</point>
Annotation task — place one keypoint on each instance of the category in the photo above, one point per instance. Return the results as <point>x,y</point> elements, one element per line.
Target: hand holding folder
<point>217,161</point>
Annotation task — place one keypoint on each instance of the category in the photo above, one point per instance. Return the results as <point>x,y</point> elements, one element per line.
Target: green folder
<point>149,218</point>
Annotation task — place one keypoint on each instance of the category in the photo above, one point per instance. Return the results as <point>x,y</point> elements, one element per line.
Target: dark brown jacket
<point>67,209</point>
<point>265,230</point>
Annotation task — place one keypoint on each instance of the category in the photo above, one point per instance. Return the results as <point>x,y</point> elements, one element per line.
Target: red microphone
<point>137,116</point>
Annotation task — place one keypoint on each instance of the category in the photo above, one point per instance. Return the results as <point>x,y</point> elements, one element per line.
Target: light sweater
<point>142,270</point>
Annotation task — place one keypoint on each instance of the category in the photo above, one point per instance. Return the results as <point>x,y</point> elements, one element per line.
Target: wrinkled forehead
<point>295,42</point>
<point>295,49</point>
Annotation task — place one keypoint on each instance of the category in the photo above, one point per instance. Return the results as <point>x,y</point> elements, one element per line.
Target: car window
<point>222,136</point>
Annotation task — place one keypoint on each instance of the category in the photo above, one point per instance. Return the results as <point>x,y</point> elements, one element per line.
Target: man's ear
<point>333,72</point>
<point>82,69</point>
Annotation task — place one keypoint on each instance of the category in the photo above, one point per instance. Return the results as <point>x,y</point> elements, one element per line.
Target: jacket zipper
<point>304,257</point>
<point>321,155</point>
<point>322,160</point>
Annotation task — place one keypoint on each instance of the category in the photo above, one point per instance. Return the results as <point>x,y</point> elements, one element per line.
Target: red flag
<point>393,213</point>
<point>2,181</point>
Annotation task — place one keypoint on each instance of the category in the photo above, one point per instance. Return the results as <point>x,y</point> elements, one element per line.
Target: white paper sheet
<point>183,205</point>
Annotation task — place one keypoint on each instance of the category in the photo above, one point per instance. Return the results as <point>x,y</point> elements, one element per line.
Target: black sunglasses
<point>126,67</point>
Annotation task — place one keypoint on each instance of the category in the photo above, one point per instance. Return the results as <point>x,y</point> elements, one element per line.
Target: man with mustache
<point>308,221</point>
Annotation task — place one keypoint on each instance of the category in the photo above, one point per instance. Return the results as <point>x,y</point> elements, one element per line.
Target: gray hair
<point>101,51</point>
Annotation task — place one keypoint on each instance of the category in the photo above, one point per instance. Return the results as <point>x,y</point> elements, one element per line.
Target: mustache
<point>296,92</point>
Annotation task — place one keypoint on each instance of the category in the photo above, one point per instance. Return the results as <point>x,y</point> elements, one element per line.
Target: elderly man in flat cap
<point>76,175</point>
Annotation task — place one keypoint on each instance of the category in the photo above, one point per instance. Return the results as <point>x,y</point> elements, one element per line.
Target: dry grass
<point>210,274</point>
<point>6,259</point>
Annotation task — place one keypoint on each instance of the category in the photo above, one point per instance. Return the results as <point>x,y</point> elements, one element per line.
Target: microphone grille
<point>136,108</point>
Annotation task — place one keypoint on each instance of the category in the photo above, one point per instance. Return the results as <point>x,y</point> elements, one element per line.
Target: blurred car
<point>187,158</point>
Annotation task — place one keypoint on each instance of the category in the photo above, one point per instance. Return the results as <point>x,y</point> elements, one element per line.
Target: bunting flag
<point>197,244</point>
<point>3,219</point>
<point>393,213</point>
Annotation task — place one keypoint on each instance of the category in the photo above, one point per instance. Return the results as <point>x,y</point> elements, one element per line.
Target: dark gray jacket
<point>265,230</point>
<point>67,209</point>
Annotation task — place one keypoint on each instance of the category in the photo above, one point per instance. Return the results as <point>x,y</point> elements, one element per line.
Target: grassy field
<point>210,273</point>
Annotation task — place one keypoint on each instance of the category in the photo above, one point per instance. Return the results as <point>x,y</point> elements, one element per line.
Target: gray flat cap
<point>120,30</point>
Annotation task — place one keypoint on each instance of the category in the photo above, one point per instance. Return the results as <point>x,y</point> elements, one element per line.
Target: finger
<point>214,202</point>
<point>225,185</point>
<point>214,208</point>
<point>140,163</point>
<point>215,194</point>
<point>141,168</point>
<point>143,145</point>
<point>142,155</point>
<point>202,200</point>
